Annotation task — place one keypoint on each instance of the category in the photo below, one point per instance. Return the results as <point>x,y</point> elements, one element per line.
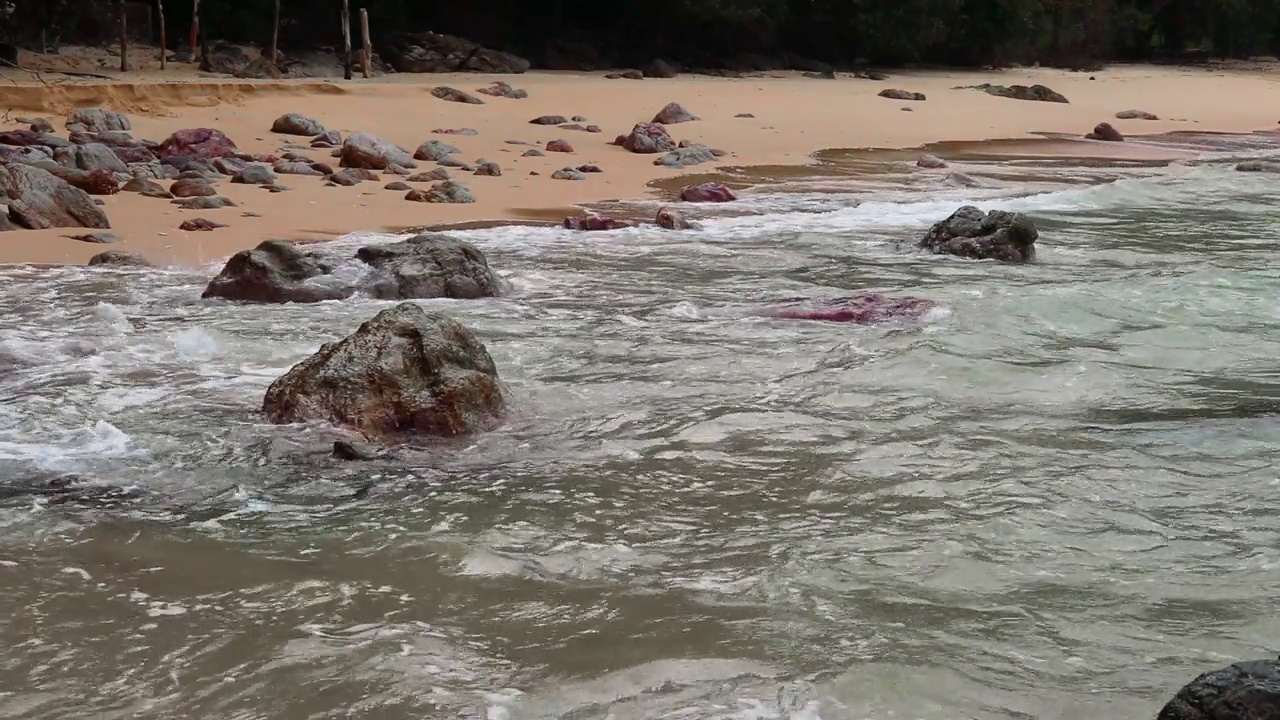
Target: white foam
<point>195,345</point>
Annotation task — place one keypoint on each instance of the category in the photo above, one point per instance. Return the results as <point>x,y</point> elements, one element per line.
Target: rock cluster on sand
<point>1243,691</point>
<point>455,95</point>
<point>430,52</point>
<point>404,373</point>
<point>996,235</point>
<point>97,120</point>
<point>502,89</point>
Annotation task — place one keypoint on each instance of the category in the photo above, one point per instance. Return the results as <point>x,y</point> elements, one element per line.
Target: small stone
<point>895,94</point>
<point>931,162</point>
<point>502,89</point>
<point>397,185</point>
<point>435,175</point>
<point>561,146</point>
<point>466,132</point>
<point>455,95</point>
<point>448,191</point>
<point>1135,115</point>
<point>204,203</point>
<point>199,224</point>
<point>534,153</point>
<point>549,120</point>
<point>434,150</point>
<point>567,174</point>
<point>254,175</point>
<point>102,238</point>
<point>673,113</point>
<point>744,115</point>
<point>589,168</point>
<point>625,75</point>
<point>489,169</point>
<point>191,187</point>
<point>578,119</point>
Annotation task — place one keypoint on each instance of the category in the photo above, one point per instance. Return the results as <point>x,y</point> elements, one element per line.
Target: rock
<point>959,179</point>
<point>286,167</point>
<point>533,153</point>
<point>199,225</point>
<point>455,95</point>
<point>659,68</point>
<point>255,175</point>
<point>595,222</point>
<point>363,150</point>
<point>862,309</point>
<point>871,75</point>
<point>1135,115</point>
<point>428,266</point>
<point>205,143</point>
<point>40,125</point>
<point>673,113</point>
<point>277,272</point>
<point>549,120</point>
<point>39,200</point>
<point>191,187</point>
<point>119,258</point>
<point>1258,166</point>
<point>448,191</point>
<point>502,89</point>
<point>295,124</point>
<point>648,138</point>
<point>229,165</point>
<point>455,163</point>
<point>578,119</point>
<point>145,187</point>
<point>275,188</point>
<point>435,175</point>
<point>23,138</point>
<point>998,235</point>
<point>672,220</point>
<point>1022,92</point>
<point>429,52</point>
<point>397,170</point>
<point>707,192</point>
<point>567,174</point>
<point>1104,131</point>
<point>1243,691</point>
<point>456,131</point>
<point>204,203</point>
<point>931,162</point>
<point>153,171</point>
<point>225,59</point>
<point>98,120</point>
<point>685,156</point>
<point>94,182</point>
<point>101,238</point>
<point>110,138</point>
<point>589,168</point>
<point>354,452</point>
<point>626,75</point>
<point>434,150</point>
<point>560,146</point>
<point>348,177</point>
<point>260,68</point>
<point>895,94</point>
<point>405,373</point>
<point>133,155</point>
<point>744,115</point>
<point>490,169</point>
<point>397,185</point>
<point>328,138</point>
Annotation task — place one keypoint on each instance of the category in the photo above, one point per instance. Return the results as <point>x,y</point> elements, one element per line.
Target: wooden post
<point>124,39</point>
<point>275,36</point>
<point>164,45</point>
<point>366,54</point>
<point>346,39</point>
<point>195,26</point>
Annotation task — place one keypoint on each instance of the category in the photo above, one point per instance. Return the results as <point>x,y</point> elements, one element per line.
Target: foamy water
<point>1051,499</point>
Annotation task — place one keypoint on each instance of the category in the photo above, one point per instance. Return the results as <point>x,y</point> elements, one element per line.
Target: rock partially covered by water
<point>1243,691</point>
<point>863,309</point>
<point>595,222</point>
<point>277,272</point>
<point>707,192</point>
<point>672,220</point>
<point>429,266</point>
<point>119,258</point>
<point>1258,166</point>
<point>38,200</point>
<point>996,235</point>
<point>405,373</point>
<point>1105,131</point>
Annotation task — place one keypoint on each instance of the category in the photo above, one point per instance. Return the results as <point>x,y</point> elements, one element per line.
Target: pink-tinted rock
<point>673,113</point>
<point>205,143</point>
<point>707,192</point>
<point>559,146</point>
<point>131,155</point>
<point>595,222</point>
<point>648,138</point>
<point>863,309</point>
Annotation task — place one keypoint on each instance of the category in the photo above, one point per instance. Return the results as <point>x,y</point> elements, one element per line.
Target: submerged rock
<point>277,272</point>
<point>996,235</point>
<point>931,162</point>
<point>707,192</point>
<point>595,222</point>
<point>672,220</point>
<point>119,258</point>
<point>1243,691</point>
<point>428,266</point>
<point>405,373</point>
<point>1258,166</point>
<point>1104,131</point>
<point>863,309</point>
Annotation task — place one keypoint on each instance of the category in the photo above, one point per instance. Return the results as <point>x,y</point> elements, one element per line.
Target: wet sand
<point>795,119</point>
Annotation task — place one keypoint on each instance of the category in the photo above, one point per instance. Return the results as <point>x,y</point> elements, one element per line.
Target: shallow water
<point>1052,499</point>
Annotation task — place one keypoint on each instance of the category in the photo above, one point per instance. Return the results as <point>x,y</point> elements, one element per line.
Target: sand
<point>794,118</point>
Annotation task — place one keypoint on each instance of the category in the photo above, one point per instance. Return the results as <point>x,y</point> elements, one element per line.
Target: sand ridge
<point>794,118</point>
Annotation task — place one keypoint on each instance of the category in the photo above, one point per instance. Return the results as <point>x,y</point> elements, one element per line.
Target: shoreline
<point>802,128</point>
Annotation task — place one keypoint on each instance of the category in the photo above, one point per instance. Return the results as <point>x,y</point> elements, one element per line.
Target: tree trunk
<point>164,45</point>
<point>195,26</point>
<point>275,36</point>
<point>124,37</point>
<point>346,39</point>
<point>366,52</point>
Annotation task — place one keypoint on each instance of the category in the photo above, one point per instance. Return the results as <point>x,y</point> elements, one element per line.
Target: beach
<point>793,117</point>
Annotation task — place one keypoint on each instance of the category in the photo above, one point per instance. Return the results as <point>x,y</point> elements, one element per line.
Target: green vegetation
<point>738,33</point>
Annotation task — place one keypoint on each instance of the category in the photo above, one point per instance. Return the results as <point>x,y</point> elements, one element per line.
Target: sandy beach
<point>794,117</point>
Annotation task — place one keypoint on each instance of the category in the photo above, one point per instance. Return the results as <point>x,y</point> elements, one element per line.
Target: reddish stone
<point>559,146</point>
<point>204,143</point>
<point>595,222</point>
<point>648,138</point>
<point>707,192</point>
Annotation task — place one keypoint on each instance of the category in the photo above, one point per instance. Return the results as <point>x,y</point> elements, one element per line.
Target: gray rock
<point>931,162</point>
<point>98,120</point>
<point>295,124</point>
<point>287,167</point>
<point>568,174</point>
<point>191,187</point>
<point>100,238</point>
<point>255,175</point>
<point>277,272</point>
<point>490,169</point>
<point>1243,691</point>
<point>895,94</point>
<point>456,95</point>
<point>683,157</point>
<point>142,186</point>
<point>403,374</point>
<point>448,191</point>
<point>996,235</point>
<point>203,203</point>
<point>533,153</point>
<point>434,175</point>
<point>119,258</point>
<point>673,113</point>
<point>96,156</point>
<point>363,150</point>
<point>39,200</point>
<point>1258,166</point>
<point>428,266</point>
<point>1135,115</point>
<point>434,151</point>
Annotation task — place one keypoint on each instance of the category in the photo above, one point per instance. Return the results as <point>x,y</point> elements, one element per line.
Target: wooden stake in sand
<point>275,35</point>
<point>346,38</point>
<point>124,39</point>
<point>366,52</point>
<point>195,26</point>
<point>164,46</point>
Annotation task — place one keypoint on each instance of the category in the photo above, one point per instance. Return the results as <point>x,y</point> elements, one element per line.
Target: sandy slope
<point>794,117</point>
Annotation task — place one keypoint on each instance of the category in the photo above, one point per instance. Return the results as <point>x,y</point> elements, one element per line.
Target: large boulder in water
<point>997,235</point>
<point>863,309</point>
<point>368,151</point>
<point>277,272</point>
<point>429,266</point>
<point>205,143</point>
<point>38,200</point>
<point>1243,691</point>
<point>429,52</point>
<point>404,373</point>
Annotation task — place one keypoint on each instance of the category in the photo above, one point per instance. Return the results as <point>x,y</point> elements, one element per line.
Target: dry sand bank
<point>794,118</point>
